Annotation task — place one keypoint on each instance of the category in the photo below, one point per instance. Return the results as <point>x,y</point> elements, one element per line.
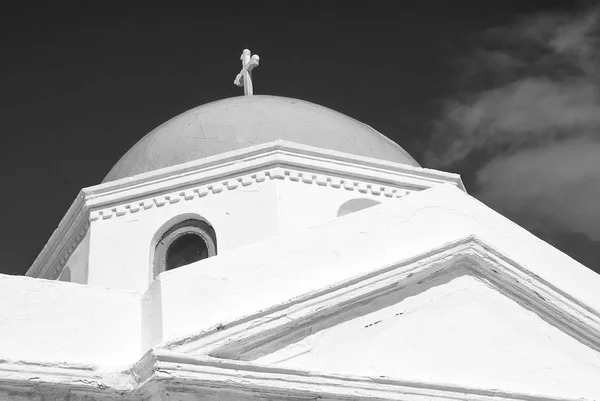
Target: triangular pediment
<point>434,292</point>
<point>457,329</point>
<point>463,317</point>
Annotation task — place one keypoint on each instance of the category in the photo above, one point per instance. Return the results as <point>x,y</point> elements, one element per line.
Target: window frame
<point>188,226</point>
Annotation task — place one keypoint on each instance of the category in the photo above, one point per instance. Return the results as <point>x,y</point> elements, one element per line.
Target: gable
<point>458,329</point>
<point>463,317</point>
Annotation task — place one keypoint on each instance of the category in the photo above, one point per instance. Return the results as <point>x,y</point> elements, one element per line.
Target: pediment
<point>455,329</point>
<point>476,321</point>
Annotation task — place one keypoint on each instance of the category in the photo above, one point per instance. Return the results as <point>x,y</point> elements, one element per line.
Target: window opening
<point>185,243</point>
<point>186,249</point>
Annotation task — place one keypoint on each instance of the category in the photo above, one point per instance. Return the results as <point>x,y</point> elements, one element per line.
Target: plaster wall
<point>457,329</point>
<point>301,205</point>
<point>298,206</point>
<point>252,279</point>
<point>76,268</point>
<point>152,314</point>
<point>54,322</point>
<point>120,247</point>
<point>57,322</point>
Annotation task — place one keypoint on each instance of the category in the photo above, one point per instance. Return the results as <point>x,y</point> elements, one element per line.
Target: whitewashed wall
<point>301,205</point>
<point>120,248</point>
<point>253,278</point>
<point>57,322</point>
<point>77,267</point>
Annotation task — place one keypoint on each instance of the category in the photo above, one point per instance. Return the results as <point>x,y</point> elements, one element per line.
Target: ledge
<point>284,159</point>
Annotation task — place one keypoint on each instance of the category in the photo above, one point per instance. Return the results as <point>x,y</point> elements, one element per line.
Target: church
<point>268,248</point>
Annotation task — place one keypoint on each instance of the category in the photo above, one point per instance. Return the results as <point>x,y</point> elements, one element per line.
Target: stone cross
<point>244,78</point>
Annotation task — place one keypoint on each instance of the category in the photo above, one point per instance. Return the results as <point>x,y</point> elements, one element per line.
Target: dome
<point>243,121</point>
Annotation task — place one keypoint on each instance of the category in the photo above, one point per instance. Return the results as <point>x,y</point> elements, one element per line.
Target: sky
<point>507,94</point>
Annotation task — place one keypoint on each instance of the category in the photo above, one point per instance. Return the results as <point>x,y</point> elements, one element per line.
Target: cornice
<point>275,160</point>
<point>161,371</point>
<point>63,241</point>
<point>555,306</point>
<point>214,188</point>
<point>174,372</point>
<point>253,335</point>
<point>63,381</point>
<point>309,156</point>
<point>278,154</point>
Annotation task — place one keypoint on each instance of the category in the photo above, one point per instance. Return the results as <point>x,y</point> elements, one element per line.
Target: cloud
<point>528,118</point>
<point>556,186</point>
<point>529,111</point>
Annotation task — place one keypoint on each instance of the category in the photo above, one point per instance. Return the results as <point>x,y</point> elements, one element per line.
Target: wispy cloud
<point>528,118</point>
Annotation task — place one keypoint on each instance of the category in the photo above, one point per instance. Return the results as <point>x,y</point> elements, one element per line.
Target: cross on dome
<point>244,78</point>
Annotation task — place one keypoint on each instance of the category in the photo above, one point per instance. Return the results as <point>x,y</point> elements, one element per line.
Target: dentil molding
<point>277,173</point>
<point>278,160</point>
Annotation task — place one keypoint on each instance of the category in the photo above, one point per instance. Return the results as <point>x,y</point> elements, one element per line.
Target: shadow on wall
<point>65,275</point>
<point>354,205</point>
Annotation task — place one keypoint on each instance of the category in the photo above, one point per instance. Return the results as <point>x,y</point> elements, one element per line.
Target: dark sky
<point>81,82</point>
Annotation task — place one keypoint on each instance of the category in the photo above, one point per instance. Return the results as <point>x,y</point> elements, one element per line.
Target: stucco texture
<point>239,122</point>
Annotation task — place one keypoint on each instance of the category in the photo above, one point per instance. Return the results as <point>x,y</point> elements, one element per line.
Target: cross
<point>244,78</point>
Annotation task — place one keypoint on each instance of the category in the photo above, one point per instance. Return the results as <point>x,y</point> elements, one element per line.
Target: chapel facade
<point>268,248</point>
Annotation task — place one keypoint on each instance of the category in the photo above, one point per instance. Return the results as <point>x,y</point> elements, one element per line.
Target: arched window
<point>184,243</point>
<point>354,205</point>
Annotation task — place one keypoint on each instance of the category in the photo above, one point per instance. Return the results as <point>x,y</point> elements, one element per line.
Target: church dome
<point>243,121</point>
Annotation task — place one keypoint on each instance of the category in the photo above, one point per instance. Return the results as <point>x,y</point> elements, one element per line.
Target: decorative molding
<point>71,230</point>
<point>469,255</point>
<point>555,306</point>
<point>194,193</point>
<point>160,373</point>
<point>67,251</point>
<point>283,152</point>
<point>229,171</point>
<point>215,379</point>
<point>58,381</point>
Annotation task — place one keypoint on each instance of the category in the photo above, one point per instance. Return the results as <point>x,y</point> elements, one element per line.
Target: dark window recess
<point>184,243</point>
<point>186,249</point>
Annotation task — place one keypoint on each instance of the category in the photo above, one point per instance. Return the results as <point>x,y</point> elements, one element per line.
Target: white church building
<point>268,248</point>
